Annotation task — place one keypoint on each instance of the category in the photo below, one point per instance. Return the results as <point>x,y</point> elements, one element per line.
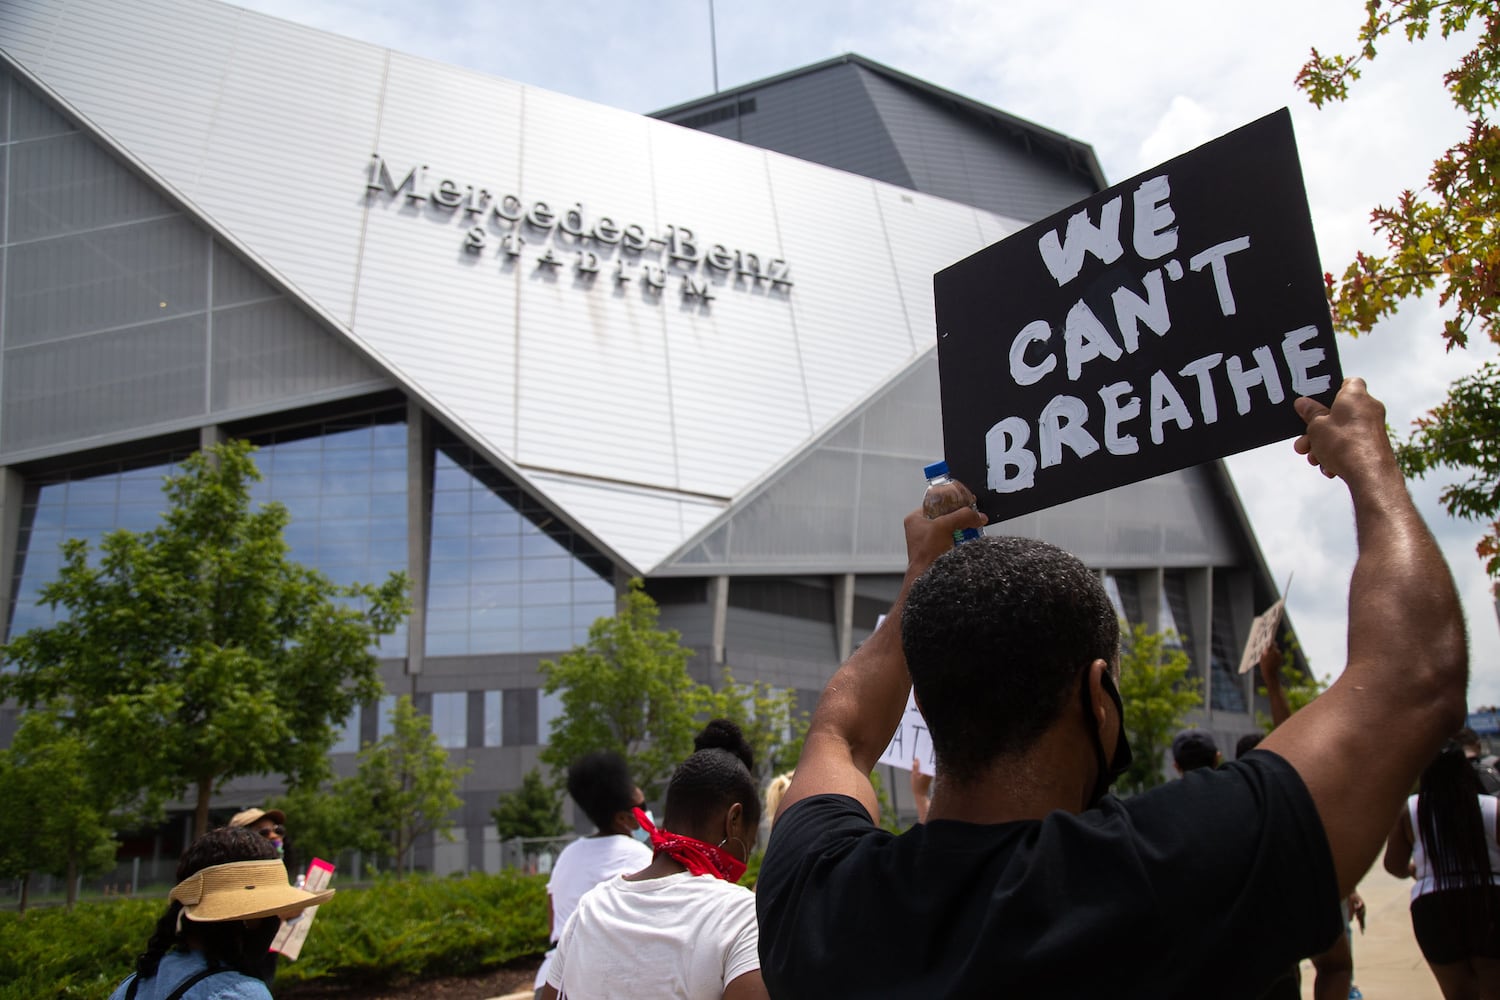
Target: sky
<point>1141,82</point>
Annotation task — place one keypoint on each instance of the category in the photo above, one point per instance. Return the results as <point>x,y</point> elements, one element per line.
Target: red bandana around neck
<point>698,857</point>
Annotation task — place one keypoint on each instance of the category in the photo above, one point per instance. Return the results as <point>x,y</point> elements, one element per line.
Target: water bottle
<point>944,496</point>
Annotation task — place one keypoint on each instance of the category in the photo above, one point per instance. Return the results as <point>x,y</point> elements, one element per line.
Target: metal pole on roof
<point>713,42</point>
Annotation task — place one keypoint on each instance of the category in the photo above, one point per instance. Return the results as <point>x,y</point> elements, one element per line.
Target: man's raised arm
<point>1361,745</point>
<point>862,704</point>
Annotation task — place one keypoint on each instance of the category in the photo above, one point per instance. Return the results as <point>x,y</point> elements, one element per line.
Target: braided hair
<point>227,943</point>
<point>1451,826</point>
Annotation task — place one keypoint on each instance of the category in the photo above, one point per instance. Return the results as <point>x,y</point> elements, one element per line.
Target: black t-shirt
<point>1206,887</point>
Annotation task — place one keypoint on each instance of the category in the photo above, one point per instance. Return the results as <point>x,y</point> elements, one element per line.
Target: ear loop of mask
<point>1109,769</point>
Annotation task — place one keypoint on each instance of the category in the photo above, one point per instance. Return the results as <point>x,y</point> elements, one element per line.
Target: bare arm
<point>862,705</point>
<point>1270,673</point>
<point>1398,847</point>
<point>1361,745</point>
<point>921,789</point>
<point>747,987</point>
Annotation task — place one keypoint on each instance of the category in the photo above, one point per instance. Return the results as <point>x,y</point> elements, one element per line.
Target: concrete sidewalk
<point>1388,965</point>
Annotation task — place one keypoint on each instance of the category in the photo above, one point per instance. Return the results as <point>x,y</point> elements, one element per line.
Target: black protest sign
<point>1165,322</point>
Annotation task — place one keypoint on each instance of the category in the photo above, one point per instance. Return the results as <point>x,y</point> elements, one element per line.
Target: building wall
<point>849,116</point>
<point>130,330</point>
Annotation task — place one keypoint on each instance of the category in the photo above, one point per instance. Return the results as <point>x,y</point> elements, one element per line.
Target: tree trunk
<point>25,891</point>
<point>200,815</point>
<point>72,895</point>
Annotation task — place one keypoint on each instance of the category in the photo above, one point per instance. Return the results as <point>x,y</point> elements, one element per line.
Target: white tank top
<point>1489,806</point>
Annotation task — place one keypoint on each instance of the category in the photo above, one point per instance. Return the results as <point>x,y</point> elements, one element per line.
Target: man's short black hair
<point>1194,748</point>
<point>600,783</point>
<point>1247,743</point>
<point>997,635</point>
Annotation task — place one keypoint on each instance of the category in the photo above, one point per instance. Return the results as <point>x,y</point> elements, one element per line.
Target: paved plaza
<point>1388,964</point>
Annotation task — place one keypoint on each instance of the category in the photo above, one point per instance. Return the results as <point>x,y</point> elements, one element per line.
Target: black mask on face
<point>1111,768</point>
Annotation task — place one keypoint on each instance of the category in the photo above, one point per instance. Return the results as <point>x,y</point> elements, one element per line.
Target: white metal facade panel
<point>269,128</point>
<point>594,396</point>
<point>442,318</point>
<point>738,379</point>
<point>851,326</point>
<point>649,523</point>
<point>148,72</point>
<point>280,168</point>
<point>924,238</point>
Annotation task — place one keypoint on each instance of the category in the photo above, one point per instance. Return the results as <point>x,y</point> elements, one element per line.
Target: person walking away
<point>1448,839</point>
<point>600,785</point>
<point>680,928</point>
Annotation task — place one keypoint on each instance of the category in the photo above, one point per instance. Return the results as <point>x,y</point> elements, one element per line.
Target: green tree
<point>322,820</point>
<point>403,788</point>
<point>198,652</point>
<point>533,810</point>
<point>628,690</point>
<point>1444,238</point>
<point>58,809</point>
<point>773,726</point>
<point>1158,694</point>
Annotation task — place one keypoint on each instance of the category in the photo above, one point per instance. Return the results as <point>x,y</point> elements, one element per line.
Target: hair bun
<point>721,734</point>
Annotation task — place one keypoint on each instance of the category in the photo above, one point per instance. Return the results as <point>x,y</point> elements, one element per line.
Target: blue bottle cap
<point>935,469</point>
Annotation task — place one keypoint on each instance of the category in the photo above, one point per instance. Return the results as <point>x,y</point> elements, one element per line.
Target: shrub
<point>397,929</point>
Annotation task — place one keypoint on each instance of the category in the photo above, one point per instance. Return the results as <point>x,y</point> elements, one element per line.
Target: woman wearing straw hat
<point>211,942</point>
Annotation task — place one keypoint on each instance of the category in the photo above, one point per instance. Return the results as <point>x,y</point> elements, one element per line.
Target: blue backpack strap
<point>135,984</point>
<point>192,981</point>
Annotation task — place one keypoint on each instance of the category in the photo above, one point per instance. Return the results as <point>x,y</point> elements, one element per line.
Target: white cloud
<point>1186,125</point>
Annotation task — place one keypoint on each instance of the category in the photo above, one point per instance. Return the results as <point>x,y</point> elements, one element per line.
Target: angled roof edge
<point>1075,151</point>
<point>285,286</point>
<point>764,482</point>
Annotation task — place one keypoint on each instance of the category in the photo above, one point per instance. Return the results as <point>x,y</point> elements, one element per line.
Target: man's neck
<point>1057,772</point>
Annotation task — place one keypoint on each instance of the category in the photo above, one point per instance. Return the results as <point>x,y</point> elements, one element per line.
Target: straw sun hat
<point>242,890</point>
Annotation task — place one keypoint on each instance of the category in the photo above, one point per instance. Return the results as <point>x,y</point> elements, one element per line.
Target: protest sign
<point>1262,634</point>
<point>910,741</point>
<point>1165,322</point>
<point>293,933</point>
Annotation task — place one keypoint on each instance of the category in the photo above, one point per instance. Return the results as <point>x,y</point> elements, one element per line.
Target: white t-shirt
<point>582,865</point>
<point>1489,809</point>
<point>682,936</point>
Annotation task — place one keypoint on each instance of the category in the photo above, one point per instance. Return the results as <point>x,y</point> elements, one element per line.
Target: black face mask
<point>1112,768</point>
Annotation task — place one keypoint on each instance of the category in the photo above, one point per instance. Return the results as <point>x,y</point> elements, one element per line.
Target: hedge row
<point>398,929</point>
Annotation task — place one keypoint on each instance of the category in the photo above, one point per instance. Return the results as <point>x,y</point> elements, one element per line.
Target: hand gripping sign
<point>1165,322</point>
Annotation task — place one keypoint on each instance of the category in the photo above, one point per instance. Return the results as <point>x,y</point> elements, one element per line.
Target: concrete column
<point>1200,594</point>
<point>12,497</point>
<point>718,609</point>
<point>843,613</point>
<point>1150,583</point>
<point>419,465</point>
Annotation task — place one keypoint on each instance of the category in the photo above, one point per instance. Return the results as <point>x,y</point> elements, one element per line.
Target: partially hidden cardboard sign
<point>1165,322</point>
<point>1262,634</point>
<point>293,933</point>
